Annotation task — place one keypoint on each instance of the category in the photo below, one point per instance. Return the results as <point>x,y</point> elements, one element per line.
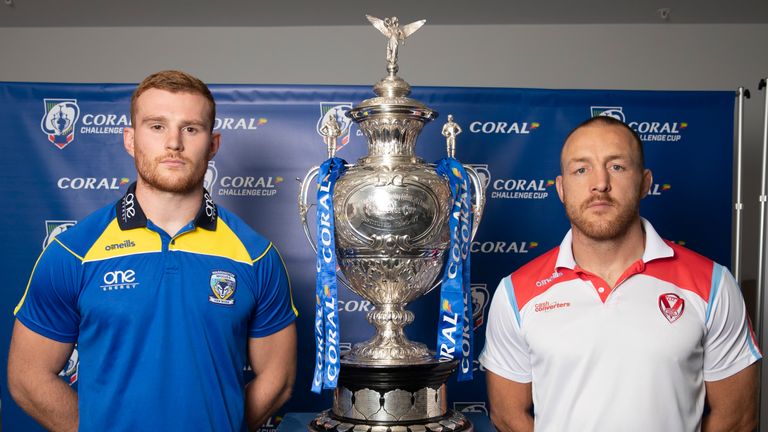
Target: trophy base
<point>391,398</point>
<point>452,421</point>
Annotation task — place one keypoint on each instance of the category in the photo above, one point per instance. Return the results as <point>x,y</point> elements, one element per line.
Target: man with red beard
<point>617,329</point>
<point>168,296</point>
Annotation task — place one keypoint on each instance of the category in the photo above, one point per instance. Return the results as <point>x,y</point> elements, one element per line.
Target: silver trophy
<point>391,219</point>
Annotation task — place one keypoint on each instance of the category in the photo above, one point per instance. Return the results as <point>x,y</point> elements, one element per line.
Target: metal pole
<point>738,206</point>
<point>763,411</point>
<point>761,247</point>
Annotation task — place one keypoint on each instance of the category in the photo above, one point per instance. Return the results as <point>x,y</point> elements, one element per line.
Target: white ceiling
<point>223,13</point>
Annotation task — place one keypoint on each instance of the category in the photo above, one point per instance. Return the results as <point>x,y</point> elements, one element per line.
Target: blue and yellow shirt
<point>162,323</point>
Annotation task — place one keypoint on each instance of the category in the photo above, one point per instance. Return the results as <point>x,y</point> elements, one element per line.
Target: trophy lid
<point>392,91</point>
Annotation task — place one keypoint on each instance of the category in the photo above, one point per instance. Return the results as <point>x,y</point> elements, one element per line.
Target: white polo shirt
<point>634,358</point>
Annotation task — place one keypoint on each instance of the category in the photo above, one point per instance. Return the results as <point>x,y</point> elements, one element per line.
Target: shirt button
<point>601,290</point>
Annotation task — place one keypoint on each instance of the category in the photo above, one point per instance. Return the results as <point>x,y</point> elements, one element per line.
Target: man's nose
<point>601,181</point>
<point>174,141</point>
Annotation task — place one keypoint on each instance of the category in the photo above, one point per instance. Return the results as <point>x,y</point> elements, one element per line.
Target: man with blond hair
<point>168,296</point>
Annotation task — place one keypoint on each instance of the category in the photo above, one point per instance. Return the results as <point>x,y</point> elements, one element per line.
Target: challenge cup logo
<point>336,110</point>
<point>616,112</point>
<point>59,121</point>
<point>211,174</point>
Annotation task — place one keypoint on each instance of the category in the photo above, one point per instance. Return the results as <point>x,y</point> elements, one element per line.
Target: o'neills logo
<point>556,274</point>
<point>548,306</point>
<point>123,245</point>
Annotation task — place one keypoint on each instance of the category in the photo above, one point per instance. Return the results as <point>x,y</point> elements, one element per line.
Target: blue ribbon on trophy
<point>454,332</point>
<point>327,354</point>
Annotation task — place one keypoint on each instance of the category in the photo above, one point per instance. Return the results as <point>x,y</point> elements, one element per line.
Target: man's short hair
<point>175,82</point>
<point>610,121</point>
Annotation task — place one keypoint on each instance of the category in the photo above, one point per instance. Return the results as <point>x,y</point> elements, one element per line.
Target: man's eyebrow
<point>607,158</point>
<point>154,118</point>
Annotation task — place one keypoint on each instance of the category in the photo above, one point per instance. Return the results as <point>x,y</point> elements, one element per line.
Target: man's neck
<point>168,210</point>
<point>610,258</point>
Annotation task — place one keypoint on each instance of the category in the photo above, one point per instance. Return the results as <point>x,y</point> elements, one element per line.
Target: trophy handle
<point>477,207</point>
<point>479,198</point>
<point>304,207</point>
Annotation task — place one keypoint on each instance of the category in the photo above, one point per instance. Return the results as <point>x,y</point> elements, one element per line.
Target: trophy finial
<point>396,35</point>
<point>330,132</point>
<point>450,130</point>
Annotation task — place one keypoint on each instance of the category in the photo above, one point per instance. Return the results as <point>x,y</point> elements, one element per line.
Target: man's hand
<point>34,363</point>
<point>510,404</point>
<point>273,359</point>
<point>733,402</point>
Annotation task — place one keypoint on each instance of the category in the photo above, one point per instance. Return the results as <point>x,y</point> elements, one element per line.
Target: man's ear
<point>647,182</point>
<point>559,187</point>
<point>128,140</point>
<point>215,144</point>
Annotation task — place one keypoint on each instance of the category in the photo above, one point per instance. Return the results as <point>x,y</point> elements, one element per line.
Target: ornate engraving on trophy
<point>391,222</point>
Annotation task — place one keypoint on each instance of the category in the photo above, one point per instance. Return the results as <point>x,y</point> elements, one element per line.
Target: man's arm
<point>733,402</point>
<point>273,359</point>
<point>34,363</point>
<point>510,404</point>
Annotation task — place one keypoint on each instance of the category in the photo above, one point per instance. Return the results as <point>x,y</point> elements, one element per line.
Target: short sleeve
<point>274,305</point>
<point>730,342</point>
<point>49,305</point>
<point>506,352</point>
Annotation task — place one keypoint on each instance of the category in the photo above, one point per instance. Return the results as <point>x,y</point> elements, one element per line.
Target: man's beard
<point>181,182</point>
<point>605,229</point>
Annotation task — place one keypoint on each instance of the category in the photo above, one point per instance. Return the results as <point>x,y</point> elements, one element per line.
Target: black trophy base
<point>391,398</point>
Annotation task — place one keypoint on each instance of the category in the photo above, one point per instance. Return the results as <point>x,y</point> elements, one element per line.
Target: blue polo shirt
<point>162,323</point>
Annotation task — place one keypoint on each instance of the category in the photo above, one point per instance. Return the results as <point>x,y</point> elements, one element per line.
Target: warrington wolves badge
<point>223,285</point>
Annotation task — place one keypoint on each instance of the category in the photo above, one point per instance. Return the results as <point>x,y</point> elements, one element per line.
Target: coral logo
<point>54,228</point>
<point>337,111</point>
<point>354,305</point>
<point>646,130</point>
<point>241,186</point>
<point>104,123</point>
<point>92,183</point>
<point>59,121</point>
<point>241,123</point>
<point>503,127</point>
<point>658,188</point>
<point>529,189</point>
<point>503,247</point>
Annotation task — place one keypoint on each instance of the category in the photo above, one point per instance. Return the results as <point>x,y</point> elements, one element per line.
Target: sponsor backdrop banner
<point>64,158</point>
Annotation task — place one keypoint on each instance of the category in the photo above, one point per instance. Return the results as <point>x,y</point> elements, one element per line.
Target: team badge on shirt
<point>223,285</point>
<point>672,306</point>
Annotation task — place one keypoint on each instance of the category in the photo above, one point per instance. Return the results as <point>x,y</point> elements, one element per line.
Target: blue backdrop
<point>55,171</point>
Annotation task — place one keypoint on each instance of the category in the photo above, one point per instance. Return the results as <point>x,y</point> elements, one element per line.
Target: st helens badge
<point>672,306</point>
